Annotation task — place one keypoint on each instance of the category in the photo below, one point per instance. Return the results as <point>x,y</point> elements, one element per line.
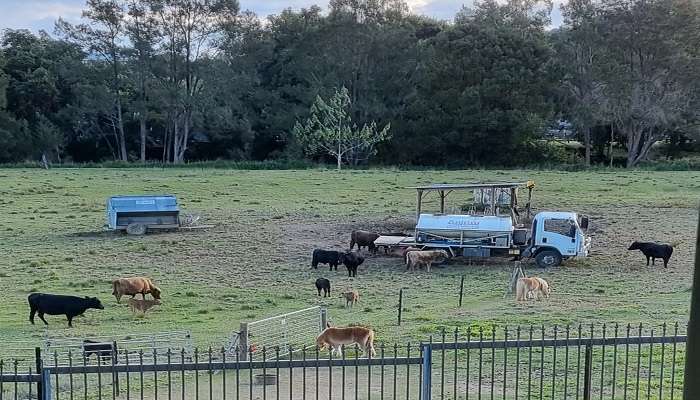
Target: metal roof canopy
<point>444,189</point>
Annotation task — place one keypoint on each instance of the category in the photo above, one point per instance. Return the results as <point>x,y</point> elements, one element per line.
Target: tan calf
<point>335,338</point>
<point>531,286</point>
<point>142,306</point>
<point>427,258</point>
<point>351,297</point>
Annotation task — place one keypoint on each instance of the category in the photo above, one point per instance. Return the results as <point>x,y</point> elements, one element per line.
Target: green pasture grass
<point>255,261</point>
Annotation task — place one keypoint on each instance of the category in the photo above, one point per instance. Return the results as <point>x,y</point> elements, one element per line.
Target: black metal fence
<point>476,363</point>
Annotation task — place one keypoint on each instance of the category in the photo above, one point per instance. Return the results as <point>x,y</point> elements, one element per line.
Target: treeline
<point>177,80</point>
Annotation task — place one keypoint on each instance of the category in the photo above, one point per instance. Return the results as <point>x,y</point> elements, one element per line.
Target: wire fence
<point>581,362</point>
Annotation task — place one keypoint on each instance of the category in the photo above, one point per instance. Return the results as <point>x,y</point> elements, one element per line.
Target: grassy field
<point>255,262</point>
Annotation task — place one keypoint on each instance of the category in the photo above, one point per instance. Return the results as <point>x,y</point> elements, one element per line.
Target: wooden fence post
<point>115,374</point>
<point>39,369</point>
<point>400,304</point>
<point>691,387</point>
<point>243,344</point>
<point>324,319</point>
<point>588,372</point>
<point>461,291</point>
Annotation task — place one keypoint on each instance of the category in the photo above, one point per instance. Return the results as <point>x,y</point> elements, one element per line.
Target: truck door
<point>559,234</point>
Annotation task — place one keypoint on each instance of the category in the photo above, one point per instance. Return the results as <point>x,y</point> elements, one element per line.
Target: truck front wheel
<point>548,258</point>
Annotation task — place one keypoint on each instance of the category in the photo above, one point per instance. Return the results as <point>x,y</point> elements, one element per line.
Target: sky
<point>41,14</point>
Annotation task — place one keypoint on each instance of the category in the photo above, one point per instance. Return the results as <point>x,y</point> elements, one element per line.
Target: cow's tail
<point>115,285</point>
<point>314,259</point>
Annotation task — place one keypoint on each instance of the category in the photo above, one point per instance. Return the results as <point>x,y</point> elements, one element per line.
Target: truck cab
<point>557,236</point>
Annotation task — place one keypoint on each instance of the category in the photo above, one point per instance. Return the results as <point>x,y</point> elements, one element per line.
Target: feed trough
<point>138,214</point>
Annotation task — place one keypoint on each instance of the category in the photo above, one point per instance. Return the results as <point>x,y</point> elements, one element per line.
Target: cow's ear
<point>87,298</point>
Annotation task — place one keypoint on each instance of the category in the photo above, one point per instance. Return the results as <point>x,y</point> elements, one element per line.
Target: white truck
<point>550,238</point>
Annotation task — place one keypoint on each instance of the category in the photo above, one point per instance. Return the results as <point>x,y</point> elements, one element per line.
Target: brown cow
<point>335,338</point>
<point>417,258</point>
<point>363,239</point>
<point>134,286</point>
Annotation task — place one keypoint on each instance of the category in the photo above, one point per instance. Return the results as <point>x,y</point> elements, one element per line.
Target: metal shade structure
<point>445,189</point>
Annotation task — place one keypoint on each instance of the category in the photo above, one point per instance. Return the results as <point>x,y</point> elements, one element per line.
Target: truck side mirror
<point>584,223</point>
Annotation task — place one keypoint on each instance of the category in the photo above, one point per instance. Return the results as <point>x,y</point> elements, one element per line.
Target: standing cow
<point>653,251</point>
<point>363,239</point>
<point>352,261</point>
<point>323,284</point>
<point>53,304</point>
<point>332,258</point>
<point>427,258</point>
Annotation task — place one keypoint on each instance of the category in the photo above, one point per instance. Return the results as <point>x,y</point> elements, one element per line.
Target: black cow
<point>332,258</point>
<point>53,304</point>
<point>352,261</point>
<point>364,239</point>
<point>100,349</point>
<point>654,251</point>
<point>325,285</point>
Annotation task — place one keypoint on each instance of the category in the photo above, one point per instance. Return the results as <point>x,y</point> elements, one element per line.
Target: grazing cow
<point>427,258</point>
<point>325,285</point>
<point>332,258</point>
<point>352,261</point>
<point>531,286</point>
<point>99,349</point>
<point>654,251</point>
<point>351,297</point>
<point>363,239</point>
<point>335,338</point>
<point>53,304</point>
<point>142,306</point>
<point>134,286</point>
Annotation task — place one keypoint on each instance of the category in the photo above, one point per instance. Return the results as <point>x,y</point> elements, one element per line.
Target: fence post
<point>243,341</point>
<point>45,393</point>
<point>461,291</point>
<point>427,367</point>
<point>115,374</point>
<point>400,304</point>
<point>587,373</point>
<point>691,389</point>
<point>324,319</point>
<point>37,360</point>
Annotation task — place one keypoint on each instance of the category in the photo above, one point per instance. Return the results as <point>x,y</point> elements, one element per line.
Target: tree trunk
<point>142,130</point>
<point>120,127</point>
<point>587,140</point>
<point>44,161</point>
